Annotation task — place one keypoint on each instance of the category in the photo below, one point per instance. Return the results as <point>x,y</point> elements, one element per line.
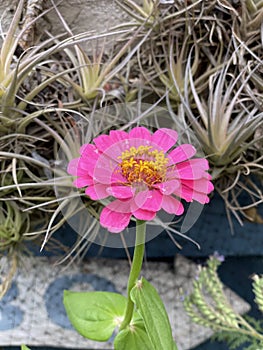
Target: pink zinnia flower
<point>137,171</point>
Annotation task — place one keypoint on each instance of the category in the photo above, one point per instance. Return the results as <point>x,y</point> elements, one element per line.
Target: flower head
<point>142,172</point>
<point>218,256</point>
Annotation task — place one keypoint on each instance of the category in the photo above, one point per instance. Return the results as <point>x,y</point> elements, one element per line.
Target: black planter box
<point>211,231</point>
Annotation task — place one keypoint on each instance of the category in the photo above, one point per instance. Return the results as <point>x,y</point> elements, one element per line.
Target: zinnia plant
<point>142,173</point>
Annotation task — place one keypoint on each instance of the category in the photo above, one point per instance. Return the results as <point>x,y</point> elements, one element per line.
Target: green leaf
<point>152,310</point>
<point>133,337</point>
<point>24,347</point>
<point>95,315</point>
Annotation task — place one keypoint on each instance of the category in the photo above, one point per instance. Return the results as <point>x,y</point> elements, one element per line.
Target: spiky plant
<point>13,224</point>
<point>30,127</point>
<point>207,305</point>
<point>200,60</point>
<point>209,65</point>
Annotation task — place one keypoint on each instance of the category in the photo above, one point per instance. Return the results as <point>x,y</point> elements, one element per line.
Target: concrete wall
<point>80,15</point>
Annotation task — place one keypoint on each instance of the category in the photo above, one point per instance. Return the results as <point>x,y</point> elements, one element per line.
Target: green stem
<point>249,329</point>
<point>135,269</point>
<point>253,333</point>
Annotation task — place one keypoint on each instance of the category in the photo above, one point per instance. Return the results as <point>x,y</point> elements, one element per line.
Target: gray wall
<point>80,15</point>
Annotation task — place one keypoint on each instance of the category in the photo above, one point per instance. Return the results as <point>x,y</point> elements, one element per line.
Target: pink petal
<point>118,135</point>
<point>75,170</point>
<point>136,142</point>
<point>105,170</point>
<point>121,192</point>
<point>120,206</point>
<point>172,205</point>
<point>182,153</point>
<point>165,138</point>
<point>184,192</point>
<point>88,158</point>
<point>103,142</point>
<point>168,187</point>
<point>87,165</point>
<point>138,136</point>
<point>150,200</point>
<point>112,145</point>
<point>200,185</point>
<point>146,215</point>
<point>207,200</point>
<point>115,151</point>
<point>117,177</point>
<point>189,195</point>
<point>114,221</point>
<point>191,169</point>
<point>207,176</point>
<point>140,133</point>
<point>83,181</point>
<point>102,176</point>
<point>97,191</point>
<point>200,197</point>
<point>106,163</point>
<point>73,167</point>
<point>88,150</point>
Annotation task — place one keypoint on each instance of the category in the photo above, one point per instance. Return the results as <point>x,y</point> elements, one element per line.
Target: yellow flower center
<point>143,165</point>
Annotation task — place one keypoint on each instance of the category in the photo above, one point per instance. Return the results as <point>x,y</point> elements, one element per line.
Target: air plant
<point>226,129</point>
<point>14,71</point>
<point>25,176</point>
<point>67,136</point>
<point>13,224</point>
<point>199,34</point>
<point>174,62</point>
<point>14,74</point>
<point>181,60</point>
<point>95,71</point>
<point>227,119</point>
<point>153,12</point>
<point>28,170</point>
<point>33,131</point>
<point>252,15</point>
<point>144,14</point>
<point>8,48</point>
